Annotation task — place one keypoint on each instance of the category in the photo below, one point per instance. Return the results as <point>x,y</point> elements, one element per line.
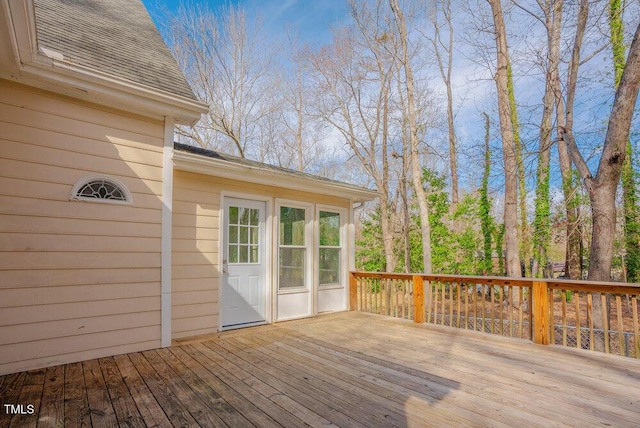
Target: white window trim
<point>344,257</point>
<point>308,239</point>
<point>94,177</point>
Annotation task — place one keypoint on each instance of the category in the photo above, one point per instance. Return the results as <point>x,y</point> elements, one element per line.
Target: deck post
<point>540,302</point>
<point>418,299</point>
<point>353,292</point>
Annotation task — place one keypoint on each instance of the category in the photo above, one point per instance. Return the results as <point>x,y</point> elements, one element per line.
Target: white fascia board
<point>46,70</point>
<point>191,162</point>
<point>81,82</point>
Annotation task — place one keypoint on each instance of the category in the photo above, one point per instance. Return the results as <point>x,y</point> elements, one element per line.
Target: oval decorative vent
<point>101,189</point>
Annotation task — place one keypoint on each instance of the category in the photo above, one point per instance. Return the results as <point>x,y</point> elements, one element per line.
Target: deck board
<point>348,369</point>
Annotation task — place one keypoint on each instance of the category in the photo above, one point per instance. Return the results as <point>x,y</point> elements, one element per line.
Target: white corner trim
<point>167,211</point>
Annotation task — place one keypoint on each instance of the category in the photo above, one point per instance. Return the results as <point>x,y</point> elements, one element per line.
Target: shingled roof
<point>115,37</point>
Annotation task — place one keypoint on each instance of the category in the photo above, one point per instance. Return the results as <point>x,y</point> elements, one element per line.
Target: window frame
<point>308,239</point>
<point>87,179</point>
<point>343,260</point>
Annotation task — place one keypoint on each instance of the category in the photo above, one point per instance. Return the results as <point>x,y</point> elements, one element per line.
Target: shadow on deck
<point>346,369</point>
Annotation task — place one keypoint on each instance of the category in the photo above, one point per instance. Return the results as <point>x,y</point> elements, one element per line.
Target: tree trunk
<point>629,189</point>
<point>508,144</point>
<point>416,169</point>
<point>485,204</point>
<point>552,10</point>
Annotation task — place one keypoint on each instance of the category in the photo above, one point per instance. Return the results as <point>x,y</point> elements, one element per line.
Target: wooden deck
<point>349,369</point>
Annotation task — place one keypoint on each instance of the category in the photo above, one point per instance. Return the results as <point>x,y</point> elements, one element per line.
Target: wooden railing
<point>544,311</point>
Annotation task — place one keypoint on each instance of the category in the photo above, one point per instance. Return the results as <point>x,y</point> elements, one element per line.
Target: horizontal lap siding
<point>196,245</point>
<point>78,279</point>
<point>195,253</point>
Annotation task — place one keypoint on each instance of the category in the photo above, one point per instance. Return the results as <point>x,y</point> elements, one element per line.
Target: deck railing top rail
<point>578,285</point>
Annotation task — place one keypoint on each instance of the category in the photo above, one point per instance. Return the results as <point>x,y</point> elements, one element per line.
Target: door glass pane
<point>253,217</point>
<point>292,224</point>
<point>329,229</point>
<point>253,254</point>
<point>329,266</point>
<point>233,234</point>
<point>244,235</point>
<point>254,235</point>
<point>291,267</point>
<point>233,254</point>
<point>244,216</point>
<point>244,254</point>
<point>233,215</point>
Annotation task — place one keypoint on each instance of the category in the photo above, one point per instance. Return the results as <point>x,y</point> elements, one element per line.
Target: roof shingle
<point>116,37</point>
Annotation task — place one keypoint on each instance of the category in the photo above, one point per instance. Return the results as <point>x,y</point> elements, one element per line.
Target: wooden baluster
<point>484,308</point>
<point>605,323</point>
<point>475,307</point>
<point>521,293</point>
<point>437,294</point>
<point>590,320</point>
<point>563,296</point>
<point>465,287</point>
<point>552,326</point>
<point>492,291</point>
<point>501,301</point>
<point>636,328</point>
<point>443,296</point>
<point>404,299</point>
<point>451,300</point>
<point>510,294</point>
<point>458,304</point>
<point>620,326</point>
<point>578,323</point>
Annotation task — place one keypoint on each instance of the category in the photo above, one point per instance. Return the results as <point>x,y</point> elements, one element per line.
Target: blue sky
<point>311,20</point>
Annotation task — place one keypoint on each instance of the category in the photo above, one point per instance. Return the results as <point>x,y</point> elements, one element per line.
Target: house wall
<point>196,244</point>
<point>78,280</point>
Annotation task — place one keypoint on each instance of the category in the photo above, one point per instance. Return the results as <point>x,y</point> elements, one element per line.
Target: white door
<point>244,292</point>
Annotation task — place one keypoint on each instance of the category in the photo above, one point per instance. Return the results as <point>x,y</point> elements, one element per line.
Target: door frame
<point>344,254</point>
<point>268,253</point>
<point>310,266</point>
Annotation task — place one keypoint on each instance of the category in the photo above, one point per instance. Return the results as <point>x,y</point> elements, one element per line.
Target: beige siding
<point>196,245</point>
<point>77,279</point>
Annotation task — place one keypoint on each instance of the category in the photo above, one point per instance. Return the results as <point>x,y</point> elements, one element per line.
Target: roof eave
<point>191,162</point>
<point>109,90</point>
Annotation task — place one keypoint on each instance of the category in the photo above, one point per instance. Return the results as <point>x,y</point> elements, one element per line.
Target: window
<point>101,189</point>
<point>329,248</point>
<point>244,233</point>
<point>292,247</point>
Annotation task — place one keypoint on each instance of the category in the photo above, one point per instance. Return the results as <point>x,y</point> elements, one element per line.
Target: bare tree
<point>603,186</point>
<point>229,65</point>
<point>445,66</point>
<point>352,80</point>
<point>564,119</point>
<point>551,19</point>
<point>508,142</point>
<point>404,59</point>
